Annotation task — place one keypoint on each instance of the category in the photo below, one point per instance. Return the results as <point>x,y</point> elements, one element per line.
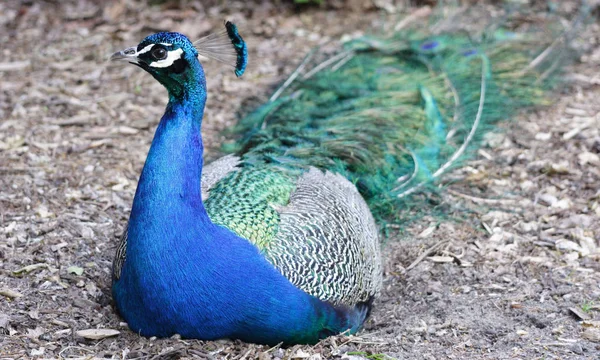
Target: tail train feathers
<point>394,113</point>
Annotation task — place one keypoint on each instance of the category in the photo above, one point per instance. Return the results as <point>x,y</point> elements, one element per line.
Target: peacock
<point>279,240</point>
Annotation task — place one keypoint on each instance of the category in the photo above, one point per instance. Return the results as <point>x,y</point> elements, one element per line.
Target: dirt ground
<point>517,276</point>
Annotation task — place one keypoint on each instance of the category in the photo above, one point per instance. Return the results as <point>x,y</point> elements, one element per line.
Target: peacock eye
<point>159,53</point>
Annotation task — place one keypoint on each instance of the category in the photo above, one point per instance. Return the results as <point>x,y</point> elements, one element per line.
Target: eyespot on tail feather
<point>240,47</point>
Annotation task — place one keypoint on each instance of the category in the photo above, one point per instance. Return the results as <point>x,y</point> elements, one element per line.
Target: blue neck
<point>173,168</point>
<point>183,274</point>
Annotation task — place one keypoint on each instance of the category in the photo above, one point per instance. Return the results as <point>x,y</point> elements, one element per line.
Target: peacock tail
<point>278,241</point>
<point>393,113</point>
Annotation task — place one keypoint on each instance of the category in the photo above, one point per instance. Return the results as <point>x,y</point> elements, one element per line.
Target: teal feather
<point>384,113</point>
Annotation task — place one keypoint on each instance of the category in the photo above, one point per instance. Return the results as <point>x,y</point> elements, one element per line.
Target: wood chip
<point>97,334</point>
<point>591,323</point>
<point>12,294</point>
<point>79,120</point>
<point>59,323</point>
<point>580,313</point>
<point>441,259</point>
<point>301,354</point>
<point>576,112</point>
<point>29,268</point>
<point>14,66</point>
<point>591,334</point>
<point>427,232</point>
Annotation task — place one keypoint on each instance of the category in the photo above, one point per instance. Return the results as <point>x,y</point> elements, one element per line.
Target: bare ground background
<point>518,278</point>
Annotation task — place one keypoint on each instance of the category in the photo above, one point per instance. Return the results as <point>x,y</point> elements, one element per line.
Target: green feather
<point>381,111</point>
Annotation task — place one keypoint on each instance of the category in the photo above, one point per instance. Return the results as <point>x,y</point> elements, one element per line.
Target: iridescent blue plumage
<point>180,273</point>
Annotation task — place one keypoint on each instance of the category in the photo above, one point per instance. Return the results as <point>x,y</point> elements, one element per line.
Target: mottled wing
<point>217,170</point>
<point>327,243</point>
<point>315,228</point>
<point>120,255</point>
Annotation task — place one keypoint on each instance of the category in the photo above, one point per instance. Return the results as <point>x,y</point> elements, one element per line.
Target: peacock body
<point>277,241</point>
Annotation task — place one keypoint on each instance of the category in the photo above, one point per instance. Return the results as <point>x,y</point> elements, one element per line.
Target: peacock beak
<point>129,54</point>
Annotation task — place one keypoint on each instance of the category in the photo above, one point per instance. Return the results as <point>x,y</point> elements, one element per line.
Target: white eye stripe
<point>172,56</point>
<point>145,50</point>
<point>166,44</point>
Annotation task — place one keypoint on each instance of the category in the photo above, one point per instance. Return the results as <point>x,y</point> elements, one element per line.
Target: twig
<point>420,13</point>
<point>535,62</point>
<point>247,353</point>
<point>479,200</point>
<point>426,253</point>
<point>14,66</point>
<point>60,354</point>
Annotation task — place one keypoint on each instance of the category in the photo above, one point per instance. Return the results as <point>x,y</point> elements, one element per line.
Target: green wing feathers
<point>393,113</point>
<point>246,201</point>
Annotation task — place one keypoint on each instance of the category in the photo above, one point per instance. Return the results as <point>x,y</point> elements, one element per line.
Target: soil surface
<point>517,276</point>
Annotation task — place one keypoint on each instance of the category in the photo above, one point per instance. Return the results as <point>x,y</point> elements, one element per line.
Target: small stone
<point>560,168</point>
<point>548,199</point>
<point>584,221</point>
<point>301,354</point>
<point>562,244</point>
<point>588,158</point>
<point>86,232</point>
<point>522,332</point>
<point>543,136</point>
<point>564,204</point>
<point>493,140</point>
<point>264,356</point>
<point>427,232</point>
<point>75,270</point>
<point>43,212</point>
<point>528,227</point>
<point>571,257</point>
<point>4,321</point>
<point>527,185</point>
<point>37,352</point>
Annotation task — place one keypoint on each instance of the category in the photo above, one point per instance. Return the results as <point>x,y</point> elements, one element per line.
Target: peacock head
<point>173,59</point>
<point>167,56</point>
